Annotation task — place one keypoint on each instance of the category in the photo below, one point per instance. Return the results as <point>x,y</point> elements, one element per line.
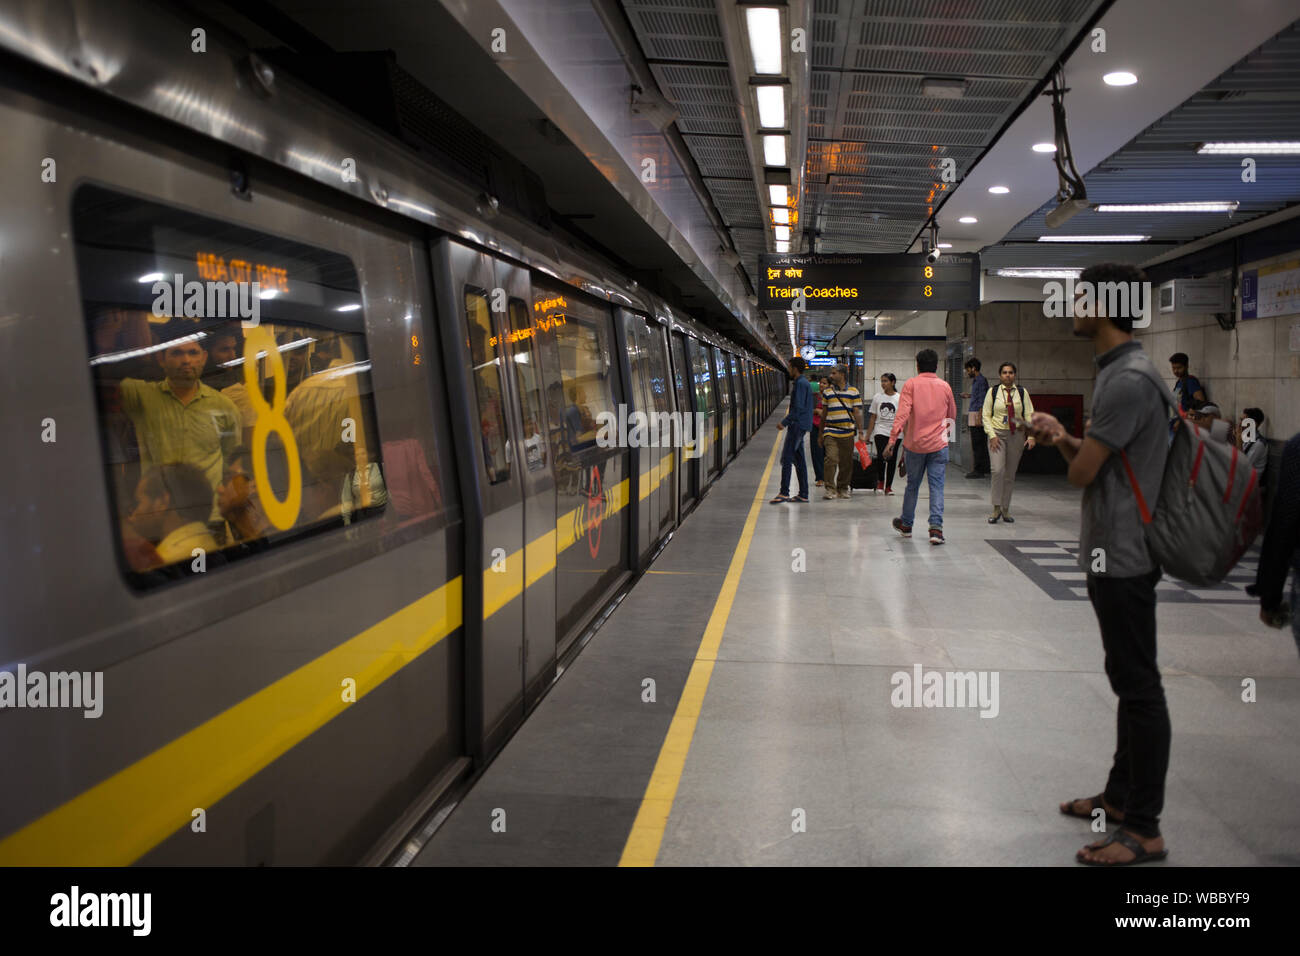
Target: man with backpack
<point>1128,429</point>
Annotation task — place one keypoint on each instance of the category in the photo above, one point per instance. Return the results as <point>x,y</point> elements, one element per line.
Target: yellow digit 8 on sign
<point>270,418</point>
<point>929,291</point>
<point>929,272</point>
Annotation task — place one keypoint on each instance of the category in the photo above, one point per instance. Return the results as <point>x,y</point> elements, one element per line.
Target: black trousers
<point>979,446</point>
<point>885,469</point>
<point>1126,612</point>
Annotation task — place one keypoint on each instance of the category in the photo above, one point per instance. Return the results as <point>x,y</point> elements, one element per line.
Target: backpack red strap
<point>1250,488</point>
<point>1232,475</point>
<point>1200,453</point>
<point>1137,491</point>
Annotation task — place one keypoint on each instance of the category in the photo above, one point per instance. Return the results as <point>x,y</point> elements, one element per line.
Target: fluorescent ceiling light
<point>1168,207</point>
<point>1120,78</point>
<point>968,219</point>
<point>765,39</point>
<point>1040,273</point>
<point>1044,147</point>
<point>1093,238</point>
<point>780,195</point>
<point>1243,149</point>
<point>151,277</point>
<point>945,89</point>
<point>781,215</point>
<point>782,233</point>
<point>771,106</point>
<point>782,245</point>
<point>999,190</point>
<point>268,294</point>
<point>774,150</point>
<point>348,308</point>
<point>945,245</point>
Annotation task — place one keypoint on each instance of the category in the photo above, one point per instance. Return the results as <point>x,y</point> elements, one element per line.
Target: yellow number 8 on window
<point>270,418</point>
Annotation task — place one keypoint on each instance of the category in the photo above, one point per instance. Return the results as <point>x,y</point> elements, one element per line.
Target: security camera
<point>933,255</point>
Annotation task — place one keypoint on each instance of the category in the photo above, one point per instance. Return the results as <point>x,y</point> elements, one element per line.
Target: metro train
<point>325,545</point>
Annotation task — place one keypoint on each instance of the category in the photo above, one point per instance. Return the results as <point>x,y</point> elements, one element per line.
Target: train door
<point>633,339</point>
<point>490,470</point>
<point>594,487</point>
<point>688,469</point>
<point>666,455</point>
<point>737,405</point>
<point>537,479</point>
<point>705,404</point>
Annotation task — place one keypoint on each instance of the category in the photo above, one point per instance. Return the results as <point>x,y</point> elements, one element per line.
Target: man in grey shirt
<point>1128,429</point>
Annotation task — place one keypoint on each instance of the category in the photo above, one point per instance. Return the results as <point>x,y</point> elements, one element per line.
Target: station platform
<point>773,737</point>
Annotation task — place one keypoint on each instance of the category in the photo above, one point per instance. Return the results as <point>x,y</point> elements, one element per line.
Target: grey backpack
<point>1209,510</point>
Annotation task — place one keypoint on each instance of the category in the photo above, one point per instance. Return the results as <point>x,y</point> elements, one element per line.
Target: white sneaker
<point>830,496</point>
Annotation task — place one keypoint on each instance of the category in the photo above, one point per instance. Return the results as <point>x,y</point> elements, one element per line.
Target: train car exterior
<point>415,409</point>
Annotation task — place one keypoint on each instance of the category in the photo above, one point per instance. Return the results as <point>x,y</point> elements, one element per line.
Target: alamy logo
<point>103,909</point>
<point>658,430</point>
<point>1112,299</point>
<point>208,300</point>
<point>946,689</point>
<point>72,689</point>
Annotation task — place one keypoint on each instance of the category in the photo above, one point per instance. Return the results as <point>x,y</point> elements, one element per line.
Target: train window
<point>529,380</point>
<point>485,361</point>
<point>580,344</point>
<point>232,377</point>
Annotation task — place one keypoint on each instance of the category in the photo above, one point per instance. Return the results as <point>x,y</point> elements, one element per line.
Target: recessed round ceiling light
<point>999,189</point>
<point>1120,78</point>
<point>968,219</point>
<point>1044,147</point>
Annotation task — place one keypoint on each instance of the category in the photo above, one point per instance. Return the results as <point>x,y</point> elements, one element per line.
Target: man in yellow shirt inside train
<point>1007,406</point>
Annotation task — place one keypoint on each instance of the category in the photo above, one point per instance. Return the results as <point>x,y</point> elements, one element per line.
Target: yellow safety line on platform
<point>642,847</point>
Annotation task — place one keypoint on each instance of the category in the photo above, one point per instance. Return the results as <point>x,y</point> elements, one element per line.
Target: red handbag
<point>864,454</point>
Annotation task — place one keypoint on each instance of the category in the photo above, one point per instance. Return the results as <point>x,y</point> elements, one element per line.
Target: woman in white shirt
<point>883,406</point>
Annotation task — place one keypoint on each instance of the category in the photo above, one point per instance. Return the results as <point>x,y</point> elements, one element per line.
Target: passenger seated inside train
<point>172,504</point>
<point>239,502</point>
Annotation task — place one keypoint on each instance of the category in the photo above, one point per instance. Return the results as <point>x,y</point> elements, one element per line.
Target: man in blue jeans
<point>926,403</point>
<point>799,421</point>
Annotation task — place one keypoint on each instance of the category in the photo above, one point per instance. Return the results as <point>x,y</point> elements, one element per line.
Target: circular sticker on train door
<point>595,511</point>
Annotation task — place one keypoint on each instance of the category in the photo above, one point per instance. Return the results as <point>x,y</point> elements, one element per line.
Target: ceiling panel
<point>1257,100</point>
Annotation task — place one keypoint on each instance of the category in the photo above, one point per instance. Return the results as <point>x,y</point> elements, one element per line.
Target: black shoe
<point>1008,519</point>
<point>993,519</point>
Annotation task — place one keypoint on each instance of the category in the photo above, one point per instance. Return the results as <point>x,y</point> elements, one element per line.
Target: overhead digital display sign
<point>862,281</point>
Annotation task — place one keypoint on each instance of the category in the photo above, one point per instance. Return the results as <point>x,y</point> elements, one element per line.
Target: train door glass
<point>702,378</point>
<point>737,405</point>
<point>575,342</point>
<point>687,468</point>
<point>723,393</point>
<point>642,457</point>
<point>661,401</point>
<point>538,483</point>
<point>485,366</point>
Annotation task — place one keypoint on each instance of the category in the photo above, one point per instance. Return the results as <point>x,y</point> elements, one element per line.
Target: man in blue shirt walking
<point>799,422</point>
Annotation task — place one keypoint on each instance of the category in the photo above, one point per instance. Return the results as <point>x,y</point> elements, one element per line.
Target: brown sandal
<point>1094,803</point>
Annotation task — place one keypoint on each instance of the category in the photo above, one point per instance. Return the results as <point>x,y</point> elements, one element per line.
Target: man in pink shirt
<point>927,405</point>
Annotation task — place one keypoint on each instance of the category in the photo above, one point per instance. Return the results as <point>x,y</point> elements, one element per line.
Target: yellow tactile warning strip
<point>642,847</point>
<point>117,821</point>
